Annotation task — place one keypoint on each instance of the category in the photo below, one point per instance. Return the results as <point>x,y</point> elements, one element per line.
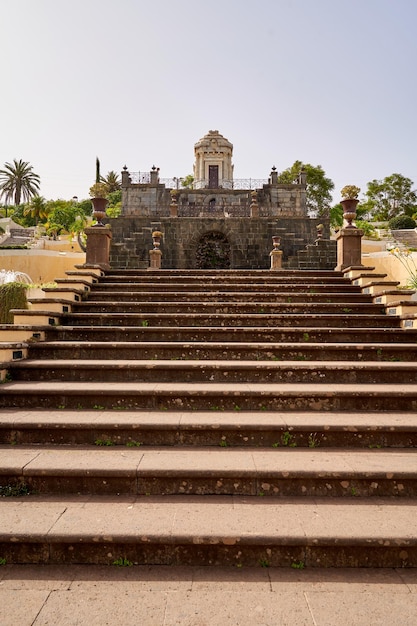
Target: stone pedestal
<point>155,258</point>
<point>349,249</point>
<point>98,246</point>
<point>276,259</point>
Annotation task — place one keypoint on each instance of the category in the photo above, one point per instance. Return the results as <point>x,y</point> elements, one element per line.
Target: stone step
<point>206,308</point>
<point>229,289</point>
<point>231,275</point>
<point>275,472</point>
<point>232,297</point>
<point>301,334</point>
<point>209,428</point>
<point>323,320</point>
<point>223,350</point>
<point>206,371</point>
<point>209,396</point>
<point>210,530</point>
<point>274,281</point>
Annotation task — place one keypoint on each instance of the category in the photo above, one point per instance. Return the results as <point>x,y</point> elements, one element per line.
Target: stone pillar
<point>274,176</point>
<point>173,207</point>
<point>254,207</point>
<point>155,175</point>
<point>155,258</point>
<point>98,246</point>
<point>349,248</point>
<point>126,182</point>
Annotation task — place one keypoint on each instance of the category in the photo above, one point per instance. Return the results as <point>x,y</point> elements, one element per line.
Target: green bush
<point>401,221</point>
<point>367,227</point>
<point>12,296</point>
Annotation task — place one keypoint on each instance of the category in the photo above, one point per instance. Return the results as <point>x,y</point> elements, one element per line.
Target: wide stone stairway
<point>245,418</point>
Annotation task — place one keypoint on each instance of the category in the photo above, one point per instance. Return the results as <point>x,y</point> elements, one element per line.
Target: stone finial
<point>254,207</point>
<point>125,177</point>
<point>154,175</point>
<point>173,207</point>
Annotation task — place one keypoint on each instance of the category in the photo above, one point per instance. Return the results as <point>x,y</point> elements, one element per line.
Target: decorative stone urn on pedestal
<point>99,201</point>
<point>349,203</point>
<point>349,250</point>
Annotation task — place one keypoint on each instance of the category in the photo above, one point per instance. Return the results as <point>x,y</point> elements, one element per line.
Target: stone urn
<point>349,210</point>
<point>276,242</point>
<point>99,209</point>
<point>156,238</point>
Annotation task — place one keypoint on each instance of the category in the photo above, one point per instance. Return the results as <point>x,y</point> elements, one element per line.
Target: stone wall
<point>273,201</point>
<point>250,240</point>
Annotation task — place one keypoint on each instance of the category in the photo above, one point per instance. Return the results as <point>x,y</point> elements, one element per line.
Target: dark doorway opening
<point>213,177</point>
<point>213,252</point>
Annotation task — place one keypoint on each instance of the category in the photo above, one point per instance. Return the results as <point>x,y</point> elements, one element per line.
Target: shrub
<point>367,227</point>
<point>12,296</point>
<point>401,221</point>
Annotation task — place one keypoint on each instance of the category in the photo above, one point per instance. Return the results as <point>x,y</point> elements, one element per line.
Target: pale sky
<point>138,82</point>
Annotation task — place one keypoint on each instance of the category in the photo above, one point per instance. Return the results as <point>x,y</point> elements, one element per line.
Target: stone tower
<point>213,167</point>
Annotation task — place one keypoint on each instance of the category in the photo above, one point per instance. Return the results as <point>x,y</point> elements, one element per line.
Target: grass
<point>134,444</point>
<point>313,440</point>
<point>298,565</point>
<point>104,442</point>
<point>3,561</point>
<point>122,562</point>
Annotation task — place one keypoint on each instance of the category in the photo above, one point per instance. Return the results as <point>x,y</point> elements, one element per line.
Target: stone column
<point>349,248</point>
<point>254,207</point>
<point>173,207</point>
<point>98,246</point>
<point>349,238</point>
<point>155,258</point>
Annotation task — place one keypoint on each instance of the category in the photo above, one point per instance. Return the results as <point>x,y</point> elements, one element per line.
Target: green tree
<point>319,187</point>
<point>18,214</point>
<point>114,208</point>
<point>64,215</point>
<point>18,182</point>
<point>336,216</point>
<point>187,182</point>
<point>389,197</point>
<point>112,181</point>
<point>37,209</point>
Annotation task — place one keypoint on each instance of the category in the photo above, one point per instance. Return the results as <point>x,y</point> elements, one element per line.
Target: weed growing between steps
<point>14,490</point>
<point>122,562</point>
<point>3,561</point>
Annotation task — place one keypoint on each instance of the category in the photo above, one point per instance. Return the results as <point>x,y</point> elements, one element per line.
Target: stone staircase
<point>246,418</point>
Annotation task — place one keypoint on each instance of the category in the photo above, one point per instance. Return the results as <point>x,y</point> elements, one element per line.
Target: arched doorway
<point>213,252</point>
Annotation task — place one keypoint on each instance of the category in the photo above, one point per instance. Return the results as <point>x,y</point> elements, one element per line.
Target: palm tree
<point>37,209</point>
<point>112,181</point>
<point>18,181</point>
